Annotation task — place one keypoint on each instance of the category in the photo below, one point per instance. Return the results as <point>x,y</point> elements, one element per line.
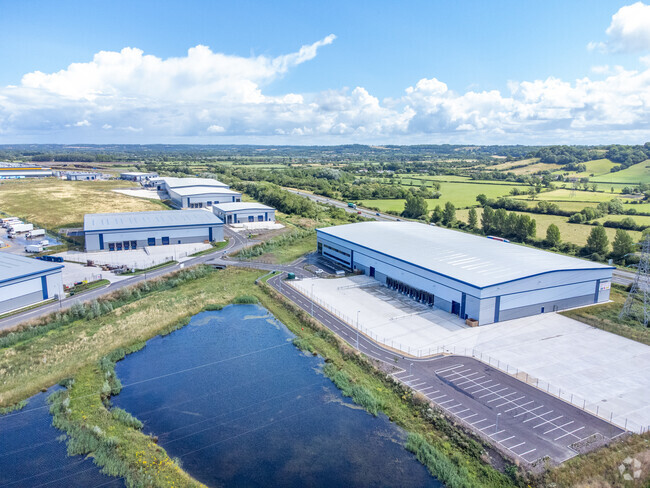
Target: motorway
<point>523,421</point>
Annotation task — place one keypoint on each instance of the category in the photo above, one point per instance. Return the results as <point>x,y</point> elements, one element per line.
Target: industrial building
<point>25,281</point>
<point>133,230</point>
<point>12,172</point>
<point>137,176</point>
<point>166,183</point>
<point>244,212</point>
<point>202,196</point>
<point>82,176</point>
<point>467,275</point>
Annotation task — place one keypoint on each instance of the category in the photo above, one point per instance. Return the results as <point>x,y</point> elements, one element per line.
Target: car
<point>359,212</point>
<point>377,213</point>
<point>399,220</point>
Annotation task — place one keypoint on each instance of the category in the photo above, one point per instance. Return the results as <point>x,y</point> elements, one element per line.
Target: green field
<point>568,195</point>
<point>635,174</point>
<point>574,233</point>
<point>460,194</point>
<point>597,167</point>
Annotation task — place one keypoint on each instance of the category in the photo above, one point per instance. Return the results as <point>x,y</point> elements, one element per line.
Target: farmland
<point>634,175</point>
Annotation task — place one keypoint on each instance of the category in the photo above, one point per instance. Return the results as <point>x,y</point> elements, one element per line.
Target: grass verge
<point>150,268</point>
<point>91,285</point>
<point>217,246</point>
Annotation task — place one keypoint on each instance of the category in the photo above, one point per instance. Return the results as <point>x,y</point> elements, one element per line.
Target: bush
<point>245,299</point>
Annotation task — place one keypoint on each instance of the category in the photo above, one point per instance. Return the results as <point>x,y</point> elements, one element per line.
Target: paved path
<point>523,421</point>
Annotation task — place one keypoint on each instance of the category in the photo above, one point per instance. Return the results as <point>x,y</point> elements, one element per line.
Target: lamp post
<point>496,429</point>
<point>358,312</point>
<point>312,299</point>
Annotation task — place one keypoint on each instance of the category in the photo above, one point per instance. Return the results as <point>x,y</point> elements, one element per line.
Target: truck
<point>352,205</point>
<point>19,228</point>
<point>7,220</point>
<point>34,248</point>
<point>36,233</point>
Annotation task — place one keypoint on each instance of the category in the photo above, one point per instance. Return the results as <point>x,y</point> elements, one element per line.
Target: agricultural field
<point>635,174</point>
<point>574,233</point>
<point>510,164</point>
<point>568,195</point>
<point>535,168</point>
<point>597,167</point>
<point>53,204</point>
<point>460,194</point>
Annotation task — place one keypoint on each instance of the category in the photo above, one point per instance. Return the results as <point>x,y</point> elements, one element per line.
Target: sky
<point>335,72</point>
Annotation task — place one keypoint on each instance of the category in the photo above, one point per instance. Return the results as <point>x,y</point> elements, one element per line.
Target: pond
<point>236,404</point>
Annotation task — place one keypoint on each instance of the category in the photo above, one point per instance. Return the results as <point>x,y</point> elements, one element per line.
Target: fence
<point>573,399</point>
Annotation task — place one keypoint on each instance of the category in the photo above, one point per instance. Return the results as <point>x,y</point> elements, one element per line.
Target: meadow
<point>635,174</point>
<point>54,204</point>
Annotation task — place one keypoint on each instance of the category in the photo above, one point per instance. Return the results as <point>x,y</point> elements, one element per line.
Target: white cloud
<point>208,96</point>
<point>629,30</point>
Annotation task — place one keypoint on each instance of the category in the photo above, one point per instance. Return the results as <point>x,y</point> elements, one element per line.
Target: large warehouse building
<point>133,230</point>
<point>202,196</point>
<point>25,281</point>
<point>244,212</point>
<point>470,276</point>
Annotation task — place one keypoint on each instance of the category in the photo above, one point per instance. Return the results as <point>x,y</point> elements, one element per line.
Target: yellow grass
<point>54,203</point>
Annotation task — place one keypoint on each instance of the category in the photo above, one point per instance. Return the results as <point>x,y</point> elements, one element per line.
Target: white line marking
<point>497,433</point>
<point>528,411</point>
<point>454,373</point>
<point>527,452</point>
<point>450,368</point>
<point>552,420</point>
<point>446,401</point>
<point>570,433</point>
<point>425,389</point>
<point>478,422</point>
<point>520,406</point>
<point>541,416</point>
<point>493,392</point>
<point>520,444</point>
<point>559,427</point>
<point>439,396</point>
<point>502,397</point>
<point>507,439</point>
<point>489,426</point>
<point>415,385</point>
<point>510,401</point>
<point>469,416</point>
<point>458,413</point>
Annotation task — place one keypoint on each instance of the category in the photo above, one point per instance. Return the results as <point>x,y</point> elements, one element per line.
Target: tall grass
<point>102,306</point>
<point>437,463</point>
<point>273,244</point>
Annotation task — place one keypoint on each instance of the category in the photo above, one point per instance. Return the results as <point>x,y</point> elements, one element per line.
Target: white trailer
<point>36,233</point>
<point>10,220</point>
<point>19,228</point>
<point>34,248</point>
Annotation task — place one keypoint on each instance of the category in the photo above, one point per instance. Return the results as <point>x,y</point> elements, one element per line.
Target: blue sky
<point>504,72</point>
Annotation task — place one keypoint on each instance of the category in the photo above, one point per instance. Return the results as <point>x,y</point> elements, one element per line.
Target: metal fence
<point>573,399</point>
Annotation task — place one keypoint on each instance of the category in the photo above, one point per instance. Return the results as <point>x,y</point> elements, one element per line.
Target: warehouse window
<point>165,241</point>
<point>151,241</point>
<point>134,244</point>
<point>251,218</point>
<point>126,244</point>
<point>260,218</point>
<point>336,250</point>
<point>111,246</point>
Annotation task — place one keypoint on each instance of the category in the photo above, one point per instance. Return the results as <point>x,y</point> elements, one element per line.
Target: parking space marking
<point>454,373</point>
<point>439,396</point>
<point>506,439</point>
<point>493,392</point>
<point>529,411</point>
<point>461,411</point>
<point>510,401</point>
<point>415,385</point>
<point>541,416</point>
<point>469,416</point>
<point>497,433</point>
<point>570,433</point>
<point>446,401</point>
<point>527,452</point>
<point>478,422</point>
<point>520,406</point>
<point>450,368</point>
<point>501,397</point>
<point>425,389</point>
<point>431,392</point>
<point>514,447</point>
<point>548,421</point>
<point>558,427</point>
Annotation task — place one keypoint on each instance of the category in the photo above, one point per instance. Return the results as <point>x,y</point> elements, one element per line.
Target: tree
<point>415,207</point>
<point>552,235</point>
<point>481,199</point>
<point>436,216</point>
<point>487,220</point>
<point>597,242</point>
<point>472,218</point>
<point>449,214</point>
<point>623,244</point>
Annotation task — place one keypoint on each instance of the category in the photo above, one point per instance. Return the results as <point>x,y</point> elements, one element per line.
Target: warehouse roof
<point>13,266</point>
<point>174,183</point>
<point>472,259</point>
<point>138,173</point>
<point>138,220</point>
<point>236,206</point>
<point>203,190</point>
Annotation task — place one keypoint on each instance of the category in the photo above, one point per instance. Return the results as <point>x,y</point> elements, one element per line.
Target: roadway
<point>523,421</point>
<point>236,243</point>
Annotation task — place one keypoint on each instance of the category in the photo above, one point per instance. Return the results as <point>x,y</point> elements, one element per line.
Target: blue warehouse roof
<point>475,260</point>
<point>140,220</point>
<point>13,266</point>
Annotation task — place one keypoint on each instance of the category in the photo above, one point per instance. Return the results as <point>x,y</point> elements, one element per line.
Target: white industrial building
<point>244,212</point>
<point>25,281</point>
<point>12,172</point>
<point>137,176</point>
<point>202,196</point>
<point>82,176</point>
<point>467,275</point>
<point>195,192</point>
<point>134,230</point>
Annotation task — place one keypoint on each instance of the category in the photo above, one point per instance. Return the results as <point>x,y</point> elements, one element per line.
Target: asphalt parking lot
<point>525,421</point>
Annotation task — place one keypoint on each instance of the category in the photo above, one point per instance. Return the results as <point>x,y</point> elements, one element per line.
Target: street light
<point>496,429</point>
<point>358,312</point>
<point>312,299</point>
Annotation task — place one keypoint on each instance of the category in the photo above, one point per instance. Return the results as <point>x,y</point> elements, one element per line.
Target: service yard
<point>593,369</point>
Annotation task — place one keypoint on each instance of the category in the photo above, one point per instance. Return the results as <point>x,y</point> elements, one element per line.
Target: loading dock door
<point>372,272</point>
<point>455,308</point>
